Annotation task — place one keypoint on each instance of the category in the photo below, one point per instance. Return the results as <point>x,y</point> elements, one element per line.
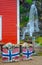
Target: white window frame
<point>0,27</point>
<point>18,23</point>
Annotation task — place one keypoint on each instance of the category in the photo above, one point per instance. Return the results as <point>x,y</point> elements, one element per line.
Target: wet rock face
<point>39,7</point>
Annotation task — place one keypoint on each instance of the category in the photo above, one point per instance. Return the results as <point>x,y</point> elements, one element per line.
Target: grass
<point>0,58</point>
<point>39,40</point>
<point>39,54</point>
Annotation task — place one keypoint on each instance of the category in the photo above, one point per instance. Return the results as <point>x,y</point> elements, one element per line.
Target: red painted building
<point>8,11</point>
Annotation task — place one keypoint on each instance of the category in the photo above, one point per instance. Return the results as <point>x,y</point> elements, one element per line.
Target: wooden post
<point>1,45</point>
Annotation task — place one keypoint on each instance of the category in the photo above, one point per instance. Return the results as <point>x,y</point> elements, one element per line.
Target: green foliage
<point>39,40</point>
<point>25,18</point>
<point>21,9</point>
<point>29,1</point>
<point>24,21</point>
<point>24,10</point>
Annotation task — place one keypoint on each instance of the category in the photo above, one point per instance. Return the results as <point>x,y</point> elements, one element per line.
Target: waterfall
<point>32,25</point>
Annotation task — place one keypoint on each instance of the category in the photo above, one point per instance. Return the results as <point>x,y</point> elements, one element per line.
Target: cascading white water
<point>32,26</point>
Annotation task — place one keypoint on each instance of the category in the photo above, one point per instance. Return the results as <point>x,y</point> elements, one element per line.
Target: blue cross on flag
<point>26,53</point>
<point>10,54</point>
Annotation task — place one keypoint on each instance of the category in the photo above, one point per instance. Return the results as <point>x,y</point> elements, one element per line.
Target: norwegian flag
<point>26,52</point>
<point>31,49</point>
<point>9,55</point>
<point>16,52</point>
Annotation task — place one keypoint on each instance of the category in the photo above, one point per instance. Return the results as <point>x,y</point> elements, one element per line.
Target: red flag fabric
<point>10,55</point>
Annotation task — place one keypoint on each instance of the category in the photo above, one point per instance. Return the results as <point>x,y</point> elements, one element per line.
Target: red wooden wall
<point>9,20</point>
